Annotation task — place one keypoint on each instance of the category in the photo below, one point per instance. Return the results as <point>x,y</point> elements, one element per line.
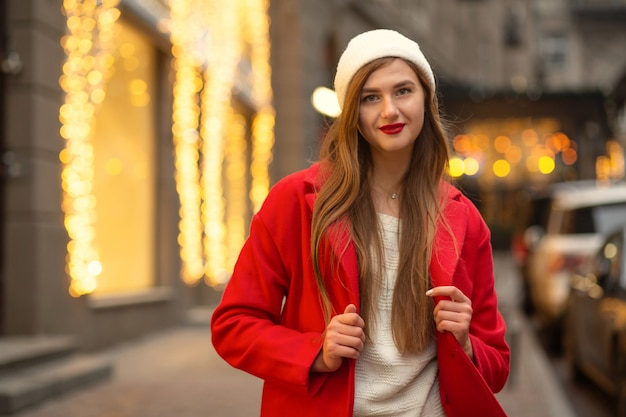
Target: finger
<point>341,351</point>
<point>350,317</point>
<point>447,305</point>
<point>346,329</point>
<point>340,342</point>
<point>352,342</point>
<point>456,328</point>
<point>350,308</point>
<point>454,293</point>
<point>453,316</point>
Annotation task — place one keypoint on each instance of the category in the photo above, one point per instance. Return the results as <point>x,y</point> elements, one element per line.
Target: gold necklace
<point>392,195</point>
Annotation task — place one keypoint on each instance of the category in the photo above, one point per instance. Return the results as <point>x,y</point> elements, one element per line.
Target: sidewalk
<point>176,373</point>
<point>533,389</point>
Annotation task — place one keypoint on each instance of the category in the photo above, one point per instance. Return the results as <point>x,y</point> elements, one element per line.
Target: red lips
<point>392,129</point>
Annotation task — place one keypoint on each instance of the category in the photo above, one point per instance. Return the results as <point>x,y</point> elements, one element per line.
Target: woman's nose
<point>389,108</point>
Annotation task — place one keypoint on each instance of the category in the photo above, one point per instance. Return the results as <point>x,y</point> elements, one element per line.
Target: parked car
<point>579,218</point>
<point>534,207</point>
<point>595,337</point>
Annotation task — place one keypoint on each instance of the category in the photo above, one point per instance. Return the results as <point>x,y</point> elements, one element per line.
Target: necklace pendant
<point>394,196</point>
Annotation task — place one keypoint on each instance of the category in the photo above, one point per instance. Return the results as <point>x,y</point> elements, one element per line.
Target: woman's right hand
<point>344,338</point>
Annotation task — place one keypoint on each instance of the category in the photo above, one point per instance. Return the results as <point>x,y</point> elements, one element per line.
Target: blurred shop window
<point>554,51</point>
<point>125,167</point>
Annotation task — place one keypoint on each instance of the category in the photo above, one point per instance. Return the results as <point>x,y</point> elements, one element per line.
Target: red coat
<point>270,322</point>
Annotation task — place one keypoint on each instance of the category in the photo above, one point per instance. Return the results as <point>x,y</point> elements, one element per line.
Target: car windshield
<point>596,219</point>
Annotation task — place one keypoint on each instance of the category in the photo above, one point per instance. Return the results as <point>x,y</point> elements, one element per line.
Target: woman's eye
<point>369,99</point>
<point>404,91</point>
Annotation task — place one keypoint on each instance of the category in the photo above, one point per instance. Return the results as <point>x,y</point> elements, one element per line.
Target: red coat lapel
<point>448,242</point>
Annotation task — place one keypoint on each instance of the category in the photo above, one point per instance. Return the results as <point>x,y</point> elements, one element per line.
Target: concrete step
<point>33,369</point>
<point>35,384</point>
<point>18,353</point>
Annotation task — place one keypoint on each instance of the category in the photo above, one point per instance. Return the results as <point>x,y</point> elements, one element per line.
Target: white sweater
<point>389,383</point>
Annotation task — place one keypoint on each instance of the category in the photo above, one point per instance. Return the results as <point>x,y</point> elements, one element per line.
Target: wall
<point>34,234</point>
<point>36,298</point>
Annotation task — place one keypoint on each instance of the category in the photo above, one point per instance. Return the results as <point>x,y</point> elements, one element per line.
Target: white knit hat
<point>379,43</point>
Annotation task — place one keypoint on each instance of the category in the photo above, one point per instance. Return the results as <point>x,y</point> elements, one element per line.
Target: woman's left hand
<point>453,314</point>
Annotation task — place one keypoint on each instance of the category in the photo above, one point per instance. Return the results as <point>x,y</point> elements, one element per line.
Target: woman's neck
<point>386,191</point>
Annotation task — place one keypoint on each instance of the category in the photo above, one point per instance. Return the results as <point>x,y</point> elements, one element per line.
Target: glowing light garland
<point>185,127</point>
<point>235,169</point>
<point>263,123</point>
<point>224,47</point>
<point>209,44</point>
<point>86,69</point>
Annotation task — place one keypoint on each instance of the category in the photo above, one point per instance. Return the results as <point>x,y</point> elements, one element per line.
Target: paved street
<point>176,373</point>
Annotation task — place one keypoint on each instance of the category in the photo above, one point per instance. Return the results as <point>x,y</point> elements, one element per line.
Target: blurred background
<point>138,137</point>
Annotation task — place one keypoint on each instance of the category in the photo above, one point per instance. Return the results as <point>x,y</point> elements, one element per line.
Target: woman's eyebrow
<point>404,83</point>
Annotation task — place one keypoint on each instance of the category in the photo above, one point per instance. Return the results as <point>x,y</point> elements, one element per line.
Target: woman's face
<point>391,111</point>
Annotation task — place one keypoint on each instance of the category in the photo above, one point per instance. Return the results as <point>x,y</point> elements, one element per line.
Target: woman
<point>357,267</point>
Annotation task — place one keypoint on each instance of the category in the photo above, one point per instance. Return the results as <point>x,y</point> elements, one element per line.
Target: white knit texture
<point>389,383</point>
<point>379,43</point>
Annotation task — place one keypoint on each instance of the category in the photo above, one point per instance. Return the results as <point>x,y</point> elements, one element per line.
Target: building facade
<point>136,141</point>
<point>122,234</point>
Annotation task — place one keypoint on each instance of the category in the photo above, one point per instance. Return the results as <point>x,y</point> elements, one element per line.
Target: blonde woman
<point>367,277</point>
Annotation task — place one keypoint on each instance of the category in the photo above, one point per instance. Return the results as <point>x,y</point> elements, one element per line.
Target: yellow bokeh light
<point>471,166</point>
<point>324,100</point>
<point>138,87</point>
<point>501,168</point>
<point>546,164</point>
<point>98,95</point>
<point>456,167</point>
<point>65,156</point>
<point>94,268</point>
<point>94,77</point>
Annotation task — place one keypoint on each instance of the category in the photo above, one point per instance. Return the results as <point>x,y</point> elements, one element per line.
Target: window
<point>125,166</point>
<point>554,51</point>
<point>595,219</point>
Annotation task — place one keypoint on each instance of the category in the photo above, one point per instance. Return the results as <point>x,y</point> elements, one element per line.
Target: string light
<point>235,169</point>
<point>263,123</point>
<point>185,125</point>
<point>210,44</point>
<point>87,66</point>
<point>216,105</point>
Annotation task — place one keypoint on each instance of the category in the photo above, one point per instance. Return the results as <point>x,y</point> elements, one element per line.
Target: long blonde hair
<point>345,163</point>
